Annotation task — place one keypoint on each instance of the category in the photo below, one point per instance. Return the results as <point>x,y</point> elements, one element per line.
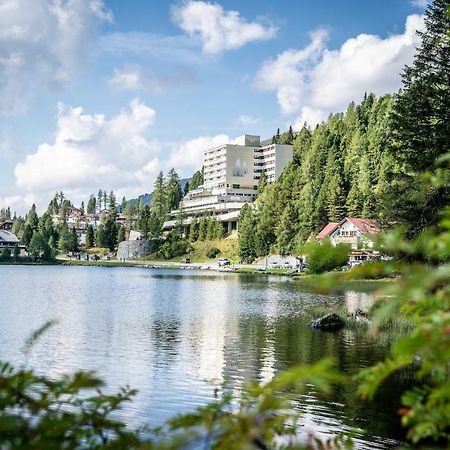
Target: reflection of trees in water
<point>166,338</point>
<point>285,342</point>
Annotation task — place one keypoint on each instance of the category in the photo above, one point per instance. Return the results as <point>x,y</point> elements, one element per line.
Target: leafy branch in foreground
<point>72,413</point>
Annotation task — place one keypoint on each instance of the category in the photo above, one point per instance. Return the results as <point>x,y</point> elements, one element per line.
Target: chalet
<point>357,232</point>
<point>9,240</point>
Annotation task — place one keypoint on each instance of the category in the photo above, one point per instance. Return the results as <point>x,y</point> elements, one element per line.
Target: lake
<point>176,334</point>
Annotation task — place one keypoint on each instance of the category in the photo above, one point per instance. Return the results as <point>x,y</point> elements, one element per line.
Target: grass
<point>228,249</point>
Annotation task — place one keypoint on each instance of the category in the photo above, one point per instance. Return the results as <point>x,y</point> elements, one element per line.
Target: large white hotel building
<point>231,177</point>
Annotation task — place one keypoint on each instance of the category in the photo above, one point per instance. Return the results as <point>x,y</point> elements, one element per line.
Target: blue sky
<point>104,94</point>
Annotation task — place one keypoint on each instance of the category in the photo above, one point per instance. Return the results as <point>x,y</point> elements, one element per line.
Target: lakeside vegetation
<point>71,412</point>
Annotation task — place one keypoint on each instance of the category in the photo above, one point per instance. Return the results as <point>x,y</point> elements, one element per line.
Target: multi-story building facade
<point>231,176</point>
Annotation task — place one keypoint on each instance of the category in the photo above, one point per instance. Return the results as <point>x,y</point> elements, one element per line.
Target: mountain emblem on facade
<point>240,168</point>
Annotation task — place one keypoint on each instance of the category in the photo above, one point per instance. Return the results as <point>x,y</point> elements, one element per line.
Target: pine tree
<point>112,201</point>
<point>159,202</point>
<point>262,182</point>
<point>193,230</point>
<point>27,235</point>
<point>32,218</point>
<point>196,180</point>
<point>121,235</point>
<point>91,206</point>
<point>99,198</point>
<point>202,229</point>
<point>421,128</point>
<point>286,229</point>
<point>246,234</point>
<point>173,191</point>
<point>89,236</point>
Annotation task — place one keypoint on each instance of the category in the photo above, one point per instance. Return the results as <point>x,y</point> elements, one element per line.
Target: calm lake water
<point>175,334</point>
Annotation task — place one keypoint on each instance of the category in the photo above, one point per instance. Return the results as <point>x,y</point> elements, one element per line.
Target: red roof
<point>327,230</point>
<point>366,226</point>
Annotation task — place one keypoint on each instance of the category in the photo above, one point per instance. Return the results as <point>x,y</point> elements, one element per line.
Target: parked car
<point>224,262</point>
<point>106,258</point>
<point>287,265</point>
<point>275,265</point>
<point>185,261</point>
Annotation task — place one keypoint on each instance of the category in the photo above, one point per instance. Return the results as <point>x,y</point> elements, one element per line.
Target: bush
<point>5,255</point>
<point>212,252</point>
<point>324,256</point>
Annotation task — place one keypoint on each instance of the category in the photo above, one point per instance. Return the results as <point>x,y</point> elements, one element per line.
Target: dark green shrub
<point>212,252</point>
<point>324,256</point>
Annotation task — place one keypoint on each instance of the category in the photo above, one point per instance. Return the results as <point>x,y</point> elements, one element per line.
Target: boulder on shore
<point>328,322</point>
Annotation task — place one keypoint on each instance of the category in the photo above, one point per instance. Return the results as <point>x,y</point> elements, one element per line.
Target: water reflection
<point>175,335</point>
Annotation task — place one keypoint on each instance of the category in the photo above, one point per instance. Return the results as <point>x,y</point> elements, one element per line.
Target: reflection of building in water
<point>206,330</point>
<point>357,301</point>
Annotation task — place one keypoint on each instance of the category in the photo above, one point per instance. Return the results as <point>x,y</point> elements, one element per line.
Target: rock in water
<point>328,322</point>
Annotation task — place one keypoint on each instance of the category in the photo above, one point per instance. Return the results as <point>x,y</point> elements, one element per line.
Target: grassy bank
<point>29,262</point>
<point>76,262</point>
<point>226,248</point>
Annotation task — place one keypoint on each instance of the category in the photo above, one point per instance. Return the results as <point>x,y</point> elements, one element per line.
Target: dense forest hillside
<point>338,169</point>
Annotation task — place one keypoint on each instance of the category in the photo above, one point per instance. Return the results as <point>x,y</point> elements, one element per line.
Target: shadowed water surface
<point>175,334</point>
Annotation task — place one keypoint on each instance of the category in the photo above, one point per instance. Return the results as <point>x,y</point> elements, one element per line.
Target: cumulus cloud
<point>219,30</point>
<point>188,156</point>
<point>315,81</point>
<point>91,151</point>
<point>135,78</point>
<point>18,203</point>
<point>43,43</point>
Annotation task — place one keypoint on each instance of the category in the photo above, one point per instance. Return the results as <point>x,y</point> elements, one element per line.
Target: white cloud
<point>287,73</point>
<point>188,157</point>
<point>18,203</point>
<point>419,3</point>
<point>316,81</point>
<point>133,77</point>
<point>43,43</point>
<point>219,30</point>
<point>91,151</point>
<point>246,121</point>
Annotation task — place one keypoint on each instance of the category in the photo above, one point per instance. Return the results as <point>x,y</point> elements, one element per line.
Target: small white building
<point>358,232</point>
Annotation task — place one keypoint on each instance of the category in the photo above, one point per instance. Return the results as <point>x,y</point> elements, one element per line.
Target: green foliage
<point>121,235</point>
<point>174,245</point>
<point>421,129</point>
<point>16,252</point>
<point>338,169</point>
<point>246,236</point>
<point>89,236</point>
<point>72,412</point>
<point>196,180</point>
<point>213,252</point>
<point>39,248</point>
<point>36,412</point>
<point>324,256</point>
<point>68,240</point>
<point>5,255</point>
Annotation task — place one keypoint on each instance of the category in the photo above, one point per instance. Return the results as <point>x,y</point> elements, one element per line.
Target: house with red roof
<point>356,231</point>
